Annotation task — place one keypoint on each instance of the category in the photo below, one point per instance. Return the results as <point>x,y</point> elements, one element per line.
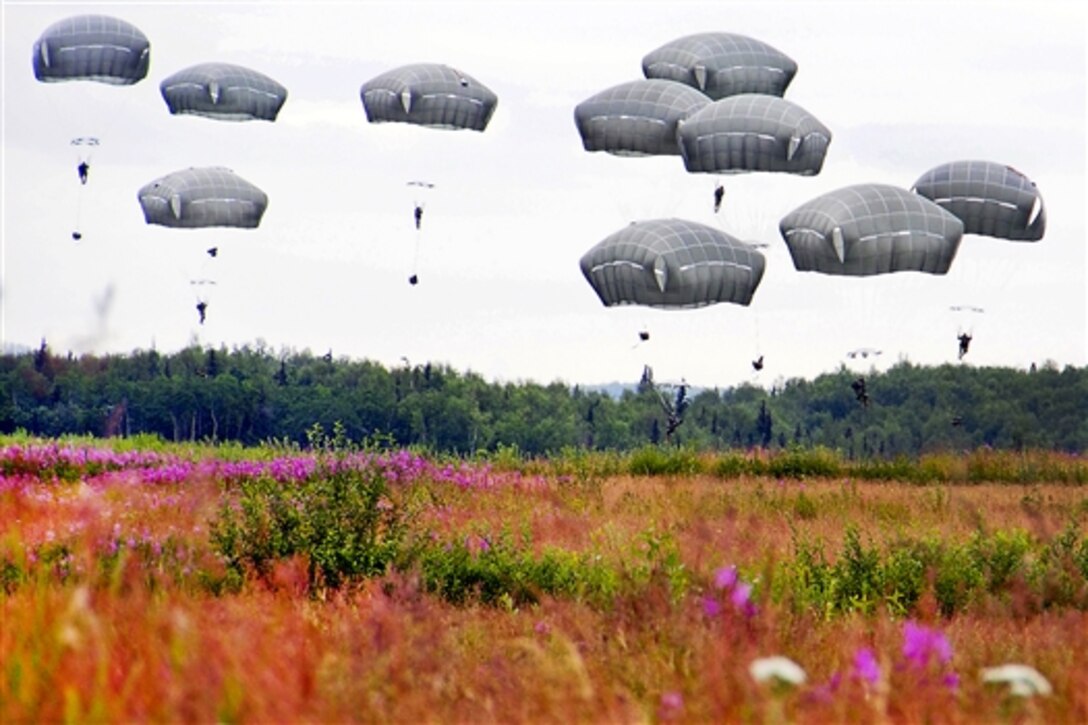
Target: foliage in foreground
<point>349,525</point>
<point>73,457</point>
<point>1008,568</point>
<point>348,513</point>
<point>338,584</point>
<point>818,462</point>
<point>343,523</point>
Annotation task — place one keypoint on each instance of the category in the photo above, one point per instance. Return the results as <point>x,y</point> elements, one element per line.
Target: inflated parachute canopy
<point>752,132</point>
<point>871,229</point>
<point>428,94</point>
<point>92,48</point>
<point>991,199</point>
<point>638,118</point>
<point>203,197</point>
<point>672,263</point>
<point>722,64</point>
<point>223,91</point>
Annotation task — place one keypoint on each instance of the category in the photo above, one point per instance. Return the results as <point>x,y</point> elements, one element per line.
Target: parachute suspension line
<point>205,265</point>
<point>755,324</point>
<point>420,191</point>
<point>77,233</point>
<point>56,122</point>
<point>83,171</point>
<point>417,212</point>
<point>1005,280</point>
<point>757,360</point>
<point>966,318</point>
<point>415,256</point>
<point>201,292</point>
<point>202,285</point>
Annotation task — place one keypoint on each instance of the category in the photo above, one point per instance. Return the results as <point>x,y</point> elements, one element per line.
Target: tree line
<point>252,394</point>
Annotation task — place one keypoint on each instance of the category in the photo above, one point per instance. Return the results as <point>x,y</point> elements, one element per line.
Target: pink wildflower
<point>725,577</point>
<point>920,644</point>
<point>866,667</point>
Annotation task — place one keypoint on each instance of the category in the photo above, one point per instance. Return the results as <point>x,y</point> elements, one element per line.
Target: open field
<point>152,582</point>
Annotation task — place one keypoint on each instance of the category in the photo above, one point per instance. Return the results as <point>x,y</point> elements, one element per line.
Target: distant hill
<point>613,390</point>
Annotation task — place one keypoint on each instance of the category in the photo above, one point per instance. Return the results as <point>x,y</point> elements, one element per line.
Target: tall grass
<point>350,582</point>
<point>978,466</point>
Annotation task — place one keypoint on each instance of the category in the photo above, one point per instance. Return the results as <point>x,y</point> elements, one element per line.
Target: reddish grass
<point>150,644</point>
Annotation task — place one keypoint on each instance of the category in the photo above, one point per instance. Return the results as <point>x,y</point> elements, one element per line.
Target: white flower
<point>1023,681</point>
<point>779,668</point>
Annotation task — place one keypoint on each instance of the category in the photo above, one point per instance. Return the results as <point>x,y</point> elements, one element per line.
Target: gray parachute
<point>428,94</point>
<point>203,197</point>
<point>672,264</point>
<point>223,91</point>
<point>638,118</point>
<point>751,132</point>
<point>92,48</point>
<point>991,199</point>
<point>722,64</point>
<point>870,229</point>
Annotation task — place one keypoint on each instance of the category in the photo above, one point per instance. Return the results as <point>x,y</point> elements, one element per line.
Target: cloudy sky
<point>903,87</point>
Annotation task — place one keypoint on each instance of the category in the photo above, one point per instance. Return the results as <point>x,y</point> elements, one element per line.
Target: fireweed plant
<point>662,585</point>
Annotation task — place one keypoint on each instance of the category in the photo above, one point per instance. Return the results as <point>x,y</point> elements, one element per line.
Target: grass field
<point>143,581</point>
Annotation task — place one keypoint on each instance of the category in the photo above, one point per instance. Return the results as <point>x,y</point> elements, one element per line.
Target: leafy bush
<point>1060,572</point>
<point>862,578</point>
<point>731,465</point>
<point>499,572</point>
<point>658,460</point>
<point>899,468</point>
<point>581,465</point>
<point>345,522</point>
<point>904,577</point>
<point>805,462</point>
<point>999,557</point>
<point>957,577</point>
<point>860,573</point>
<point>985,465</point>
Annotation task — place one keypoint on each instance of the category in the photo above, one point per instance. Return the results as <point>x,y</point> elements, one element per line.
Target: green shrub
<point>345,522</point>
<point>904,577</point>
<point>506,457</point>
<point>584,467</point>
<point>1000,557</point>
<point>859,573</point>
<point>658,460</point>
<point>731,465</point>
<point>956,578</point>
<point>1060,572</point>
<point>806,462</point>
<point>498,572</point>
<point>862,578</point>
<point>804,581</point>
<point>899,468</point>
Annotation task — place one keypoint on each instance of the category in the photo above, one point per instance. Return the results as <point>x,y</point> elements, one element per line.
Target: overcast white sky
<point>903,87</point>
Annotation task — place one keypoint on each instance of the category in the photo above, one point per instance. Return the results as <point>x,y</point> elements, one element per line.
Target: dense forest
<point>254,394</point>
